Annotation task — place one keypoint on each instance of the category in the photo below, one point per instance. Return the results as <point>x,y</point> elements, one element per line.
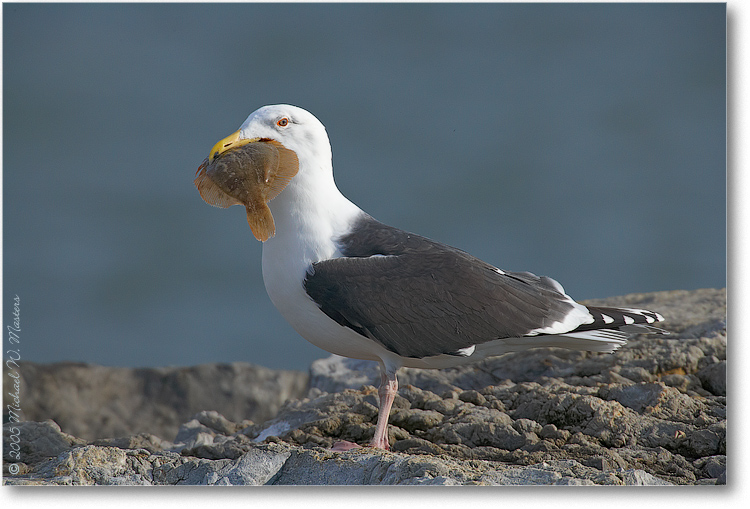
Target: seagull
<point>358,288</point>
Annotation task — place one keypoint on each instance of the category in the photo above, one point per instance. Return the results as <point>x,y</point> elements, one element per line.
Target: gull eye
<point>282,122</point>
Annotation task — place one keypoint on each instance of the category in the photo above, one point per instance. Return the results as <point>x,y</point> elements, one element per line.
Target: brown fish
<point>251,175</point>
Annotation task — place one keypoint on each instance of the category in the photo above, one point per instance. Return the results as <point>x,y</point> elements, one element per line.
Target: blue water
<point>581,141</point>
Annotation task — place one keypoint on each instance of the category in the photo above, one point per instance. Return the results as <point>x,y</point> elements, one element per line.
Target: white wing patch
<point>646,313</point>
<point>577,316</point>
<point>466,352</point>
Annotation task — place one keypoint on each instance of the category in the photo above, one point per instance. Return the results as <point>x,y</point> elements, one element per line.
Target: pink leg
<point>387,392</point>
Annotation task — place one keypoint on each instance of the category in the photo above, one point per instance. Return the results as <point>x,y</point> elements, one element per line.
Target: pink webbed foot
<point>343,446</point>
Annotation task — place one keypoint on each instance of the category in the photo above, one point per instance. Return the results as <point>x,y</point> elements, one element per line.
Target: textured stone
<point>641,478</point>
<point>714,378</point>
<point>38,440</point>
<point>653,413</point>
<point>91,402</point>
<point>413,419</point>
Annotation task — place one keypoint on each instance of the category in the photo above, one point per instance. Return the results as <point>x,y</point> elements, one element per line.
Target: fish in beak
<point>249,172</point>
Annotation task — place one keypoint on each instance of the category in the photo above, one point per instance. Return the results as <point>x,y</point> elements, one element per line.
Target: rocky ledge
<point>652,413</point>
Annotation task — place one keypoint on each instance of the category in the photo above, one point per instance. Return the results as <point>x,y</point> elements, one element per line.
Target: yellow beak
<point>230,142</point>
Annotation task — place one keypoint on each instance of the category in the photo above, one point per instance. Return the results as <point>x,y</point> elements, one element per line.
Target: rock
<point>283,464</point>
<point>653,413</point>
<point>146,441</point>
<point>91,465</point>
<point>416,420</point>
<point>37,441</point>
<point>714,467</point>
<point>335,373</point>
<point>722,478</point>
<point>641,478</point>
<point>193,434</point>
<point>93,402</point>
<point>473,397</point>
<point>714,378</point>
<point>258,466</point>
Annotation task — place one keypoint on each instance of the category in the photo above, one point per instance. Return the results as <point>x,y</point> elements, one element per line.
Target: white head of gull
<point>361,289</point>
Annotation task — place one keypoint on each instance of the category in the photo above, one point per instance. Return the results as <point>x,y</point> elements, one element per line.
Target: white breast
<point>308,217</point>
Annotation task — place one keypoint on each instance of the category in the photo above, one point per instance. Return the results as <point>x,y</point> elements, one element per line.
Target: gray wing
<point>420,298</point>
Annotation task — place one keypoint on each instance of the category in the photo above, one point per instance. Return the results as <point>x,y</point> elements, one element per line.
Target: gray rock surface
<point>653,413</point>
<point>284,464</point>
<point>91,402</point>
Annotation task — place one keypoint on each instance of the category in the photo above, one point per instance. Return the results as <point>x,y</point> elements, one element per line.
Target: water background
<point>581,141</point>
